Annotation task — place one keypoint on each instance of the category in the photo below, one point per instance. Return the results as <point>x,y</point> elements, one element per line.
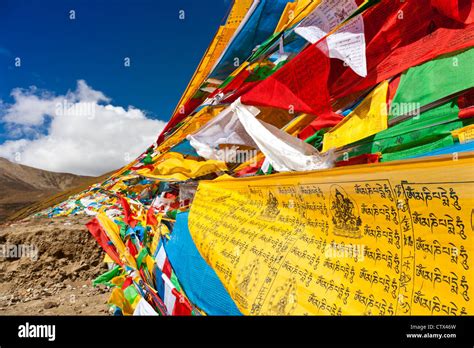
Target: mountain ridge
<point>22,186</point>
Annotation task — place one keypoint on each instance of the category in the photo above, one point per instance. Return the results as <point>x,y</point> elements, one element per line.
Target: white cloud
<point>81,132</point>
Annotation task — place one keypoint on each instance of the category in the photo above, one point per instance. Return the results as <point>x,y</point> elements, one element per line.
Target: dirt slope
<point>59,279</point>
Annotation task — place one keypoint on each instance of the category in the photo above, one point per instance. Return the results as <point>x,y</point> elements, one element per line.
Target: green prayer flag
<point>432,81</point>
<point>106,277</point>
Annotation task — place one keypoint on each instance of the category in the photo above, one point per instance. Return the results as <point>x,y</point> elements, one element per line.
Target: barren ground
<point>59,281</point>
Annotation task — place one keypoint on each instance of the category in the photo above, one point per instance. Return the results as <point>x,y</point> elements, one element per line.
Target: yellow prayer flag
<point>215,49</point>
<point>387,239</point>
<point>368,118</point>
<point>295,12</point>
<point>464,134</point>
<point>175,167</point>
<point>118,299</point>
<point>113,232</point>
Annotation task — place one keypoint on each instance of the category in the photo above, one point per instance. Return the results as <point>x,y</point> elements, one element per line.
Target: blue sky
<point>85,56</point>
<point>55,51</point>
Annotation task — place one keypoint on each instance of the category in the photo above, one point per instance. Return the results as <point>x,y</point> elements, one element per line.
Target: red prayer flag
<point>361,159</point>
<point>129,218</point>
<point>320,123</point>
<point>101,237</point>
<point>466,104</point>
<point>300,85</point>
<point>182,113</point>
<point>131,248</point>
<point>150,217</point>
<point>251,169</point>
<point>128,281</point>
<point>181,306</point>
<point>461,10</point>
<point>400,35</point>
